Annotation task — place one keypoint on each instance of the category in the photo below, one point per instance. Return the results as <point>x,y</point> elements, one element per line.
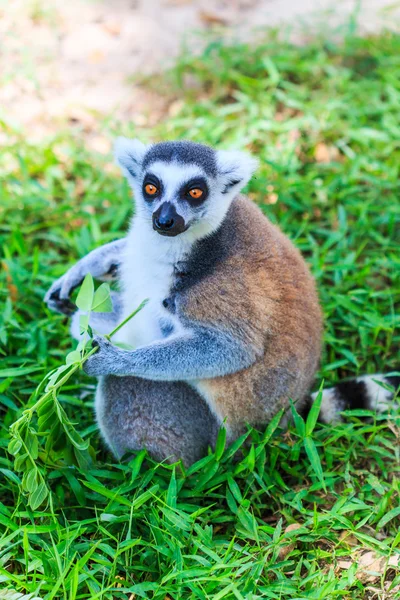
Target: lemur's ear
<point>235,168</point>
<point>129,155</point>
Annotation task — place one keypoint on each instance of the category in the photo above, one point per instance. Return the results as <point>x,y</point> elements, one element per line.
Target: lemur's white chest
<point>147,273</point>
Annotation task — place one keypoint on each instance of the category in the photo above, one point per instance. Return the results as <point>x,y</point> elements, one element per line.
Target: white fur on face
<point>202,220</point>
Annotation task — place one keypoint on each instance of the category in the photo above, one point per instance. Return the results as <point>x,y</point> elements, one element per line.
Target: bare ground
<point>77,60</point>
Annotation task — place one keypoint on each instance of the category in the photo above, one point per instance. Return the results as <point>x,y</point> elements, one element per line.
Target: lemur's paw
<point>104,360</point>
<point>57,304</point>
<point>58,296</point>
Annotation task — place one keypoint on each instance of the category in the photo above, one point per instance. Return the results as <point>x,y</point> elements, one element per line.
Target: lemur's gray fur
<point>169,419</point>
<point>233,325</point>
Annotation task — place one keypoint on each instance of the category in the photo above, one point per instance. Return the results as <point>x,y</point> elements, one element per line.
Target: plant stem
<point>27,414</point>
<point>29,411</point>
<point>128,318</point>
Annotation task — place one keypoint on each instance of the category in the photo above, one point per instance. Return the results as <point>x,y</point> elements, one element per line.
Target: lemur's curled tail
<point>370,392</point>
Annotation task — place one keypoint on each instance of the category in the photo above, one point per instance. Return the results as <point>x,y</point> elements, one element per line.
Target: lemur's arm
<point>102,263</point>
<point>199,354</point>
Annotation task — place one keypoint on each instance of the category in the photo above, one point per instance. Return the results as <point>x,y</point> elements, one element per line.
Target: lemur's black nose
<point>163,223</point>
<point>167,221</point>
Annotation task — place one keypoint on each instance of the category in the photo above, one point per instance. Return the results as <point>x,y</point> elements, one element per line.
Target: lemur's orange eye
<point>151,189</point>
<point>196,193</point>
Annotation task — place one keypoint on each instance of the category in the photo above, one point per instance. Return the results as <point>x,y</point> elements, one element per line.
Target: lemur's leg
<point>100,322</point>
<point>102,263</point>
<point>202,353</point>
<point>170,420</point>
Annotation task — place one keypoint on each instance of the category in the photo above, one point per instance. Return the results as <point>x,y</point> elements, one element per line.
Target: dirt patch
<point>77,60</point>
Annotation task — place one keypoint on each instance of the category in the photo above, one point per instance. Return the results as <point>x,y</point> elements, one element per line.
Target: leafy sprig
<point>44,434</point>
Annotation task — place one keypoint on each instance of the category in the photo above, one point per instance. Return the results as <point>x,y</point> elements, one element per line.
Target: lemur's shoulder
<point>241,241</point>
<point>247,275</point>
<point>245,241</point>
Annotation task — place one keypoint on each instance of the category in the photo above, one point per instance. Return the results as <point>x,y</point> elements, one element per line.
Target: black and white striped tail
<point>379,393</point>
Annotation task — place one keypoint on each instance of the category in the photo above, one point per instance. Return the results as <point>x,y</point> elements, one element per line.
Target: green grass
<point>324,121</point>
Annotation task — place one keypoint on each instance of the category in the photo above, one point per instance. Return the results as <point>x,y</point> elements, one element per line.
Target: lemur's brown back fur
<point>257,286</point>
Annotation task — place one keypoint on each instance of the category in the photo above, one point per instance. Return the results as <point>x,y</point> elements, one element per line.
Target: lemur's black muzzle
<point>167,221</point>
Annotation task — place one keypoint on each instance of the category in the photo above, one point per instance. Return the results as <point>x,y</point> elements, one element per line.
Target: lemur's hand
<point>105,360</point>
<point>102,263</point>
<point>57,297</point>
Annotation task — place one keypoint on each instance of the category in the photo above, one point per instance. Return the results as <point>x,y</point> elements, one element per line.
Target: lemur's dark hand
<point>58,296</point>
<point>105,360</point>
<point>101,263</point>
<point>54,302</point>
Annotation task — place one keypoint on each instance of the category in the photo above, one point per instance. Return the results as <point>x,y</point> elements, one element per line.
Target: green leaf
<point>314,459</point>
<point>31,443</point>
<point>83,458</point>
<point>172,491</point>
<point>200,464</point>
<point>11,476</point>
<point>40,494</point>
<point>272,426</point>
<point>69,429</point>
<point>137,502</point>
<point>110,494</point>
<point>30,480</point>
<point>56,437</point>
<point>298,421</point>
<point>14,446</point>
<point>230,500</point>
<point>136,464</point>
<point>46,420</point>
<point>4,385</point>
<point>251,458</point>
<point>75,486</point>
<point>248,522</point>
<point>235,490</point>
<point>83,324</point>
<point>178,518</point>
<point>19,463</point>
<point>102,299</point>
<point>233,448</point>
<point>314,411</point>
<point>85,296</point>
<point>46,407</point>
<point>220,444</point>
<point>73,357</point>
<point>17,371</point>
<point>55,376</point>
<point>395,512</point>
<point>74,437</point>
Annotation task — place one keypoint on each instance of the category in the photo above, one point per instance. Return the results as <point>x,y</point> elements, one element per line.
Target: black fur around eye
<point>152,187</point>
<point>195,191</point>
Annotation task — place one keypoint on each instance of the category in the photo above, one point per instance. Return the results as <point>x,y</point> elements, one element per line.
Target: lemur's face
<point>181,186</point>
<point>176,195</point>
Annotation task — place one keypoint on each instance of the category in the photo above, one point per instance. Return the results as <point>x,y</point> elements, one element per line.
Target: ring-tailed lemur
<point>233,325</point>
